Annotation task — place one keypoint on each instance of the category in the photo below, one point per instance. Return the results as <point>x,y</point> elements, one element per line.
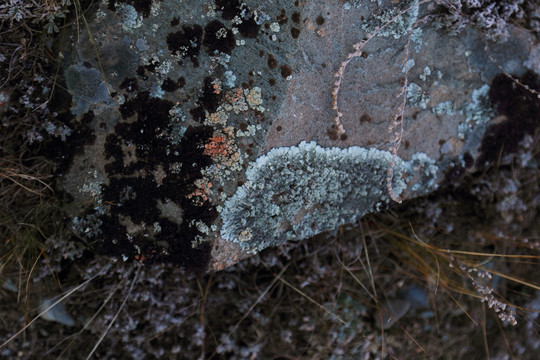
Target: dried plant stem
<point>515,80</point>
<point>62,298</point>
<point>356,53</point>
<point>396,126</point>
<point>115,315</point>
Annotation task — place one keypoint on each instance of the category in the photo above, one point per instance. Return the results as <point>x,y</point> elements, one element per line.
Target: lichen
<point>477,112</point>
<point>396,25</point>
<point>87,87</point>
<point>444,108</point>
<point>299,191</point>
<point>416,96</point>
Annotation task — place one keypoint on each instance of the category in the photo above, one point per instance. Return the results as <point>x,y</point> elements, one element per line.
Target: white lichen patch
<point>274,27</point>
<point>299,191</point>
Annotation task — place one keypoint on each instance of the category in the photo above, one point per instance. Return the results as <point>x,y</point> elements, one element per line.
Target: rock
<point>390,313</point>
<point>56,313</point>
<point>201,132</point>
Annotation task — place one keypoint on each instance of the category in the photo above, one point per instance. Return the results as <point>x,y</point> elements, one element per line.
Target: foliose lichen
<point>416,96</point>
<point>87,87</point>
<point>477,112</point>
<point>299,191</point>
<point>395,24</point>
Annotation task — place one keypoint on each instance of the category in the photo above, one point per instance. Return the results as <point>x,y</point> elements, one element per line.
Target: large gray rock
<point>211,122</point>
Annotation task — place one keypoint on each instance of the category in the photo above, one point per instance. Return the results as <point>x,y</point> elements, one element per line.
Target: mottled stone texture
<point>204,128</point>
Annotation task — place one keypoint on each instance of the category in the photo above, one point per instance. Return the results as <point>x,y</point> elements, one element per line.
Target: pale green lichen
<point>408,66</point>
<point>416,96</point>
<point>425,74</point>
<point>130,17</point>
<point>444,108</point>
<point>477,112</point>
<point>393,24</point>
<point>299,191</point>
<point>88,89</point>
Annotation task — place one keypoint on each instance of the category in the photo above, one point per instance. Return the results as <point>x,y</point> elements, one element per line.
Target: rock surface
<point>204,129</point>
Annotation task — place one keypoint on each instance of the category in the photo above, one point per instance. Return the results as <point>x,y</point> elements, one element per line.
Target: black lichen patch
<point>454,174</point>
<point>208,101</point>
<point>319,20</point>
<point>151,67</point>
<point>233,8</point>
<point>249,27</point>
<point>282,18</point>
<point>365,118</point>
<point>153,117</point>
<point>186,42</point>
<point>468,160</point>
<point>181,82</point>
<point>62,152</point>
<point>286,71</point>
<point>272,62</point>
<point>217,38</point>
<point>295,17</point>
<point>134,227</point>
<point>143,7</point>
<point>229,8</point>
<point>113,151</point>
<point>129,85</point>
<point>521,108</point>
<point>141,71</point>
<point>169,85</point>
<point>295,33</point>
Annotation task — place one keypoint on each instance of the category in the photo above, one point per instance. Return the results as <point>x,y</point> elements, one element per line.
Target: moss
<point>297,192</point>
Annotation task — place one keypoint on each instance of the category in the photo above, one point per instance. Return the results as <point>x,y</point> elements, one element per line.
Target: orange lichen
<point>218,146</point>
<point>202,192</point>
